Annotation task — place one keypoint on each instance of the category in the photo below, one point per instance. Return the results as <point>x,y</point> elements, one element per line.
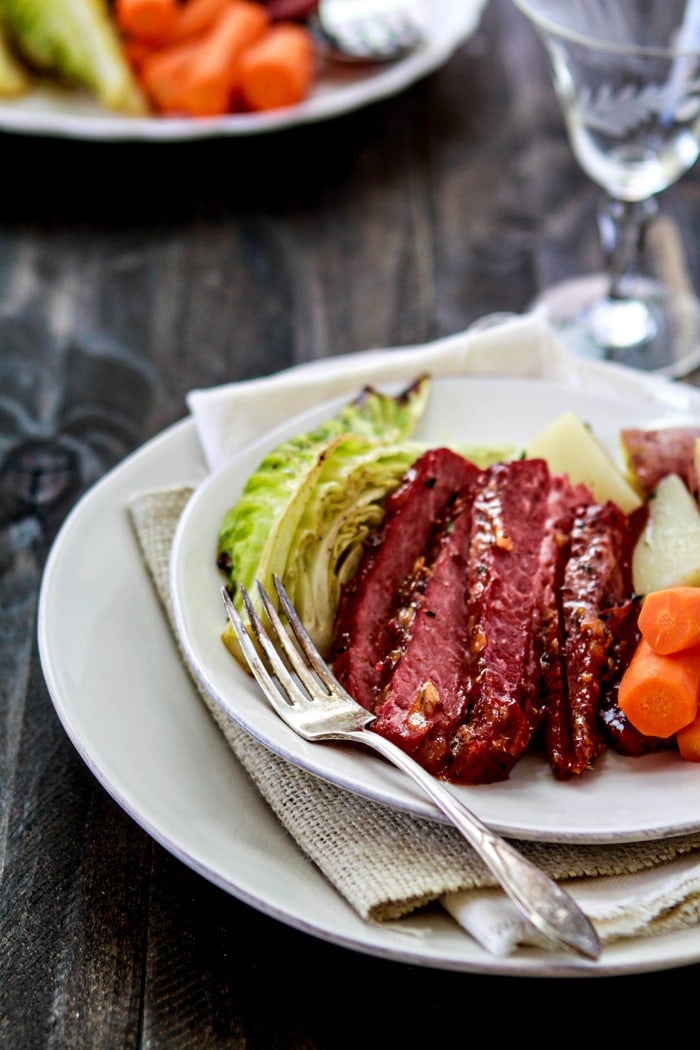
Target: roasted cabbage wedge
<point>77,41</point>
<point>301,512</point>
<point>307,510</point>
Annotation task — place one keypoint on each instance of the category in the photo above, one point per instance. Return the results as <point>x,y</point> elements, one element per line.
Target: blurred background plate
<point>49,110</point>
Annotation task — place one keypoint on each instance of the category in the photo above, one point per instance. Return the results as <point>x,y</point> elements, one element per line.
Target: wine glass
<point>627,77</point>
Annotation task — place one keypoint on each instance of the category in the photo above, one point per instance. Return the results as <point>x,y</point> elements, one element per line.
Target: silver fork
<point>306,695</point>
<point>366,30</point>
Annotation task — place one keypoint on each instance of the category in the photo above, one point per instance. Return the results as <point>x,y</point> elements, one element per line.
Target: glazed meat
<point>595,579</point>
<point>365,629</point>
<point>493,610</point>
<point>425,697</point>
<point>506,578</point>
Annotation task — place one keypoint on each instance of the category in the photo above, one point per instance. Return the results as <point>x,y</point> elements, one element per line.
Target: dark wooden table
<point>130,274</point>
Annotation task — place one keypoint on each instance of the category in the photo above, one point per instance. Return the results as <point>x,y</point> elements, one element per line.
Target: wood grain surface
<point>130,273</point>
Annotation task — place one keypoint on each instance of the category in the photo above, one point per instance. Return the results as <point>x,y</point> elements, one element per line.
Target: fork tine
<point>288,691</point>
<point>292,653</point>
<point>244,640</point>
<point>277,664</point>
<point>315,659</point>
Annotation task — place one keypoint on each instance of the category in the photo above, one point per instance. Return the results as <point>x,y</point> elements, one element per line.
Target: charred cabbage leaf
<point>319,535</point>
<point>313,495</point>
<point>76,40</point>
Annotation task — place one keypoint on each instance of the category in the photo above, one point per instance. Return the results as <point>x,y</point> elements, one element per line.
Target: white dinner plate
<point>128,705</point>
<point>340,89</point>
<point>621,799</point>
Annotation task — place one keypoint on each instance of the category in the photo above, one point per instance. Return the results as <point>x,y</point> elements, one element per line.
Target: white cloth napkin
<point>230,416</point>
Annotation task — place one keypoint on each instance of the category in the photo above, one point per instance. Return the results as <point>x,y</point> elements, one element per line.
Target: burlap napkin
<point>387,864</point>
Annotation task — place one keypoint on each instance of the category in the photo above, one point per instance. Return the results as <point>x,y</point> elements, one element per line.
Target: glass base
<point>654,329</point>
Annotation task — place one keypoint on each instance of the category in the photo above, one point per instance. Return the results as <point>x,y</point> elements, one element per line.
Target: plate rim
<point>343,928</point>
<point>28,116</point>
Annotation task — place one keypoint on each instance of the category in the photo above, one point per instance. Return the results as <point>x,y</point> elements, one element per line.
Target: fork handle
<point>548,907</point>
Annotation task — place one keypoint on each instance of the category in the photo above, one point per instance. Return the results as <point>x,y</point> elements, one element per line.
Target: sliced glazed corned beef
<point>595,580</point>
<point>564,500</point>
<point>492,608</point>
<point>365,629</point>
<point>507,578</point>
<point>426,695</point>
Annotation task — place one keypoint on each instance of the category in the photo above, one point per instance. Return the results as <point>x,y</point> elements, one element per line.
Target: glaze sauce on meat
<point>493,612</point>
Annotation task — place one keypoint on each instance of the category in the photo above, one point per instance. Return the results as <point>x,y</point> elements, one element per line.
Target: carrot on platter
<point>195,17</point>
<point>670,618</point>
<point>151,20</point>
<point>135,51</point>
<point>688,740</point>
<point>659,693</point>
<point>163,74</point>
<point>212,75</point>
<point>278,69</point>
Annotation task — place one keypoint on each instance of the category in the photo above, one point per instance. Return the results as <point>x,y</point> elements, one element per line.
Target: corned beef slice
<point>493,607</point>
<point>595,579</point>
<point>506,582</point>
<point>364,634</point>
<point>564,501</point>
<point>426,696</point>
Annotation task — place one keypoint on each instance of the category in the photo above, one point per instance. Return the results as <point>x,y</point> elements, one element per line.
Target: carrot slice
<point>688,740</point>
<point>135,51</point>
<point>151,20</point>
<point>211,77</point>
<point>659,693</point>
<point>278,69</point>
<point>163,74</point>
<point>670,618</point>
<point>195,17</point>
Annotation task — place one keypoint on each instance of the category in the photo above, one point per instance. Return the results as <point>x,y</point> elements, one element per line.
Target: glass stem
<point>623,226</point>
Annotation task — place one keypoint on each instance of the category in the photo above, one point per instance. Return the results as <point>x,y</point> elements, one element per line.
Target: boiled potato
<point>570,447</point>
<point>668,551</point>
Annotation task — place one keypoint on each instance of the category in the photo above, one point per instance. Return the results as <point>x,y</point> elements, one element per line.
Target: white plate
<point>130,709</point>
<point>341,89</point>
<point>621,799</point>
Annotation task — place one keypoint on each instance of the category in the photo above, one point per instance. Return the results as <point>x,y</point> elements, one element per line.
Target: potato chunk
<point>570,447</point>
<point>668,551</point>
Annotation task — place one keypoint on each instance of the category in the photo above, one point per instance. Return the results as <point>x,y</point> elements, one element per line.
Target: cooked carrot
<point>670,618</point>
<point>659,693</point>
<point>151,20</point>
<point>195,17</point>
<point>278,69</point>
<point>212,75</point>
<point>163,75</point>
<point>135,51</point>
<point>688,740</point>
